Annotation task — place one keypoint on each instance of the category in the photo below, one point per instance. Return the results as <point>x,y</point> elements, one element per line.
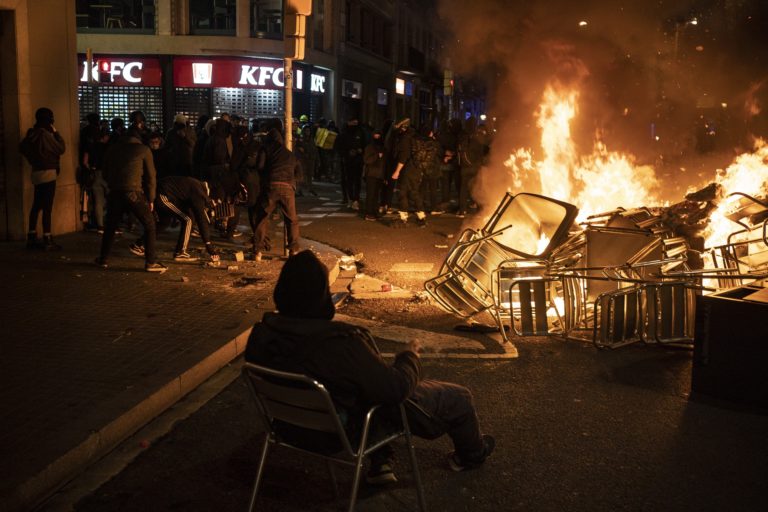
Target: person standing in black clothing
<point>410,181</point>
<point>373,158</point>
<point>180,144</point>
<point>131,178</point>
<point>350,145</point>
<point>278,188</point>
<point>43,147</point>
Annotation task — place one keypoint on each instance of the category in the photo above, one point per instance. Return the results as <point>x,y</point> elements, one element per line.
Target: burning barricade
<point>616,278</point>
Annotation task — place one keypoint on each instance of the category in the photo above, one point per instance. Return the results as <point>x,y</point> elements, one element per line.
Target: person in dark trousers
<point>177,196</point>
<point>131,178</point>
<point>470,153</point>
<point>303,338</point>
<point>43,147</point>
<point>410,181</point>
<point>278,188</point>
<point>350,145</point>
<point>428,153</point>
<point>373,158</point>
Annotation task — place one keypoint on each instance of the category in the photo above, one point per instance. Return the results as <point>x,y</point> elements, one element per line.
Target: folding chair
<point>300,401</point>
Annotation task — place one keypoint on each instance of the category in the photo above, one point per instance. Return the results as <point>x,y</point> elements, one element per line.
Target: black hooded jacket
<point>339,355</point>
<point>303,338</point>
<point>278,162</point>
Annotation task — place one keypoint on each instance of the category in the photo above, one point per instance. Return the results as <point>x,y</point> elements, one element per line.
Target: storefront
<point>249,87</point>
<point>119,85</point>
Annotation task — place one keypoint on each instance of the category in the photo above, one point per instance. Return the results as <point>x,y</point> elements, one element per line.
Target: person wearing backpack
<point>43,147</point>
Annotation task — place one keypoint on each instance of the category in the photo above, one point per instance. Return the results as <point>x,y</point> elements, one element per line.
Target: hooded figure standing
<point>43,147</point>
<point>280,169</point>
<point>303,338</point>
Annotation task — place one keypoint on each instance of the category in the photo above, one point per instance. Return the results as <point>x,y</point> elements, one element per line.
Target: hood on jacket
<point>275,137</point>
<point>302,290</point>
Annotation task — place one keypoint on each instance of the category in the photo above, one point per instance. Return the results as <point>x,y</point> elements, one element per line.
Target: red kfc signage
<point>240,73</point>
<point>122,70</point>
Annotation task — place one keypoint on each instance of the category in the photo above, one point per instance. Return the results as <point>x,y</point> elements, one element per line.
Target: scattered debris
<point>247,281</point>
<point>441,246</point>
<point>239,256</point>
<point>232,268</point>
<point>213,264</point>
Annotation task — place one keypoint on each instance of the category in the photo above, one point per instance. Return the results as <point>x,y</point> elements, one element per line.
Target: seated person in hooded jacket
<point>301,337</point>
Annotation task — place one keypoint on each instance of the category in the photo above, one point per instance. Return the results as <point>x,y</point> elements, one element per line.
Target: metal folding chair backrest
<point>303,402</point>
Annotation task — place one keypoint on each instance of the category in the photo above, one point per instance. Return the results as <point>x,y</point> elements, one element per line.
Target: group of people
<point>182,177</point>
<point>430,168</point>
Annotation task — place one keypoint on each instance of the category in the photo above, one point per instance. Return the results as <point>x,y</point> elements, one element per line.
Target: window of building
<point>124,16</point>
<point>318,25</point>
<point>212,17</point>
<point>267,19</point>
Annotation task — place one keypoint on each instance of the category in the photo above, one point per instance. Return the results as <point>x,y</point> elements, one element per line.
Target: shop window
<point>193,102</point>
<point>212,17</point>
<point>267,19</point>
<point>122,16</point>
<point>250,103</point>
<point>119,101</point>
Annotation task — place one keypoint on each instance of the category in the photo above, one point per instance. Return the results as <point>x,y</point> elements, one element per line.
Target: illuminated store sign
<point>242,73</point>
<point>123,70</point>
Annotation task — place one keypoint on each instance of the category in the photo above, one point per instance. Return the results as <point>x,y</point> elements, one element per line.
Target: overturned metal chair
<point>524,227</point>
<point>302,402</point>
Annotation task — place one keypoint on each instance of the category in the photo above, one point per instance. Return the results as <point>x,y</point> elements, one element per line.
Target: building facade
<point>370,60</point>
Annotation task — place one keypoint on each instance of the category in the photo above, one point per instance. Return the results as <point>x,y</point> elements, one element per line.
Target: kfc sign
<point>123,71</point>
<point>241,73</point>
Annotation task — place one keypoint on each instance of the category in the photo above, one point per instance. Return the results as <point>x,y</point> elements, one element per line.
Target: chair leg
<point>414,464</point>
<point>356,481</point>
<point>257,480</point>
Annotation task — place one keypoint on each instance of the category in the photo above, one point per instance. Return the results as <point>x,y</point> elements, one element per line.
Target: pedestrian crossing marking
<point>324,209</point>
<point>341,214</point>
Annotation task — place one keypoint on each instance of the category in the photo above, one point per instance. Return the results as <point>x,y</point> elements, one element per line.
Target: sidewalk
<point>90,355</point>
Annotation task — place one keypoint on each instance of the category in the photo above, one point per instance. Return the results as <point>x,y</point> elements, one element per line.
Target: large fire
<point>600,181</point>
<point>604,180</point>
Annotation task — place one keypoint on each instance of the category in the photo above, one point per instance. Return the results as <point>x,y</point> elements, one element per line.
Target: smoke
<point>643,70</point>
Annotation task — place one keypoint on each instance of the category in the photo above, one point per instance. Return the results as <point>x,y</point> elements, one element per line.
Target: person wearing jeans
<point>131,178</point>
<point>43,147</point>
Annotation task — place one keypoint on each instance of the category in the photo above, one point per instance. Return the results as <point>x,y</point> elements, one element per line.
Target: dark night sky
<point>624,58</point>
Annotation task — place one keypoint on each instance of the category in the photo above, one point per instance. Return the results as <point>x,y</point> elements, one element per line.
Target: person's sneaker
<point>155,267</point>
<point>355,205</point>
<point>257,256</point>
<point>381,475</point>
<point>136,249</point>
<point>370,217</point>
<point>195,233</point>
<point>101,262</point>
<point>184,256</point>
<point>235,234</point>
<point>461,214</point>
<point>437,212</point>
<point>457,464</point>
<point>100,230</point>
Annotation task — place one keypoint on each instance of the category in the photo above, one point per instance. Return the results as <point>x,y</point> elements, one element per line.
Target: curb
<point>33,492</point>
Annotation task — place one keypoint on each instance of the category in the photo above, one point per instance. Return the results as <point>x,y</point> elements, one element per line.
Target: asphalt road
<point>577,428</point>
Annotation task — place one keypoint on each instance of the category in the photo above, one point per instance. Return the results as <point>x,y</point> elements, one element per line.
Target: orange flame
<point>600,181</point>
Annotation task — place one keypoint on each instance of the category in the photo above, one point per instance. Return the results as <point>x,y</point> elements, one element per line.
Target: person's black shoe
<point>381,474</point>
<point>49,244</point>
<point>136,249</point>
<point>457,463</point>
<point>101,262</point>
